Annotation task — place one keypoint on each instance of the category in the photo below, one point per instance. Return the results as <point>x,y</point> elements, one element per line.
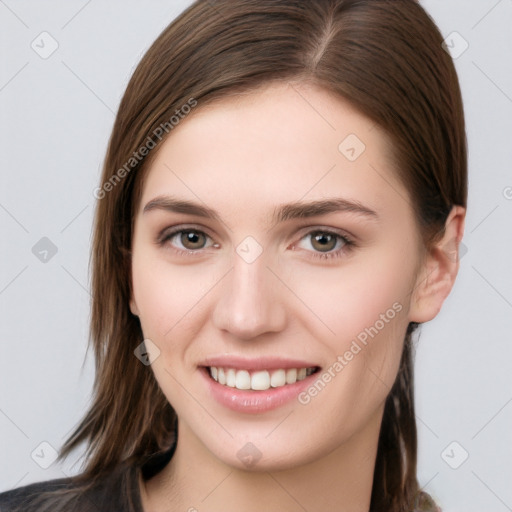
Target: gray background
<point>56,116</point>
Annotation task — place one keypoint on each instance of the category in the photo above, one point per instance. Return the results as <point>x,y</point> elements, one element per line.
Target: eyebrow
<point>282,213</point>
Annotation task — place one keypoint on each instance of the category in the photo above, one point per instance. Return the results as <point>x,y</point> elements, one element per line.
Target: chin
<point>264,455</point>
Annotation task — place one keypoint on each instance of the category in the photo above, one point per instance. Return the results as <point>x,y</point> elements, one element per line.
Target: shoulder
<point>23,497</point>
<point>115,490</point>
<point>111,492</point>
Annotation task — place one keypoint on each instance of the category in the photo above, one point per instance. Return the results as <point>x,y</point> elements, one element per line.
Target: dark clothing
<point>118,493</point>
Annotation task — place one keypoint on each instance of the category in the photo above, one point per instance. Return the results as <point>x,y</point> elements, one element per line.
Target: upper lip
<point>260,363</point>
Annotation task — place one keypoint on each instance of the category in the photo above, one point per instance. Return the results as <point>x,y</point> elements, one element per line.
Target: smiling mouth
<point>259,380</point>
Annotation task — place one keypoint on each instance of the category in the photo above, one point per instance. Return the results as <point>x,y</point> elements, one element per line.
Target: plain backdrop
<point>56,116</point>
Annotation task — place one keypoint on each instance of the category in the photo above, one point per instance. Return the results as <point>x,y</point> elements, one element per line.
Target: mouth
<point>259,380</point>
<point>256,385</point>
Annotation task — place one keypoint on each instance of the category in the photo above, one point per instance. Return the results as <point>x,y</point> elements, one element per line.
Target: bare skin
<point>303,297</point>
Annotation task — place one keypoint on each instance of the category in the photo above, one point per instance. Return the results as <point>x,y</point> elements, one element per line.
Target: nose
<point>250,304</point>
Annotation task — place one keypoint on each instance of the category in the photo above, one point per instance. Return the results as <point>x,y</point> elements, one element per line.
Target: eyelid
<point>176,228</point>
<point>307,227</point>
<point>327,229</point>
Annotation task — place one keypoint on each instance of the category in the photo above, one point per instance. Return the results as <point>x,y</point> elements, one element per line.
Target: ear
<point>438,270</point>
<point>133,307</point>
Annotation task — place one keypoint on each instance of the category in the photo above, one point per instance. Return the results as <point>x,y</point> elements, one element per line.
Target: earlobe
<point>133,307</point>
<point>439,270</point>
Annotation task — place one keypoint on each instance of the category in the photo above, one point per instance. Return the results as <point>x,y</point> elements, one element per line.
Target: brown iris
<point>323,242</point>
<point>193,239</point>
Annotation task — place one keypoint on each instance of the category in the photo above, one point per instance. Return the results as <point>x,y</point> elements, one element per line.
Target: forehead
<point>282,142</point>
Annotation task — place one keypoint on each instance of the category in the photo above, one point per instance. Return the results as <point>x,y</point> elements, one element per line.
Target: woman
<point>280,207</point>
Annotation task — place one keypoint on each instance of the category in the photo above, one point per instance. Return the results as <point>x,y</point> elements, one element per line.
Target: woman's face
<point>273,236</point>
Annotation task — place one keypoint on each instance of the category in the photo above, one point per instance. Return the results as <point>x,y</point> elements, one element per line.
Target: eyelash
<point>348,244</point>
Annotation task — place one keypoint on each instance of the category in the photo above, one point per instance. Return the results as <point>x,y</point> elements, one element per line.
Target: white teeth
<point>231,378</point>
<point>278,378</point>
<point>291,376</point>
<point>258,380</point>
<point>243,379</point>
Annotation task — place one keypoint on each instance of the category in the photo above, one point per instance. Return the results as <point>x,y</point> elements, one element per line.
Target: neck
<point>195,480</point>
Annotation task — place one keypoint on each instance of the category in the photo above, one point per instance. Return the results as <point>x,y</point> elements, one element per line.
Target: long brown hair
<point>384,57</point>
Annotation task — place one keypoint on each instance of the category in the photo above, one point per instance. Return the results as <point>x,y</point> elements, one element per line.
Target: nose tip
<point>249,305</point>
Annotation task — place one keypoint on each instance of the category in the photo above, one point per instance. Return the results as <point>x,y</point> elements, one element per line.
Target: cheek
<point>171,300</point>
<point>364,305</point>
<point>168,318</point>
<point>356,296</point>
<point>154,293</point>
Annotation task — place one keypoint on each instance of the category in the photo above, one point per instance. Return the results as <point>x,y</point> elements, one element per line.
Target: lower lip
<point>254,402</point>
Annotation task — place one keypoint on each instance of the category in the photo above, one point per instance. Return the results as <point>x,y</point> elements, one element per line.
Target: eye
<point>325,244</point>
<point>192,239</point>
<point>186,240</point>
